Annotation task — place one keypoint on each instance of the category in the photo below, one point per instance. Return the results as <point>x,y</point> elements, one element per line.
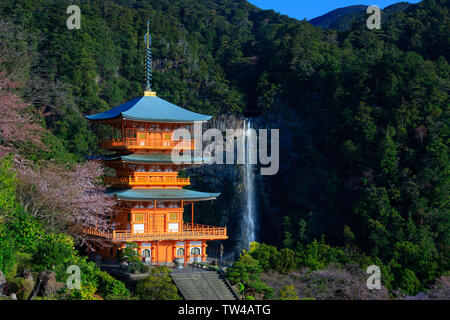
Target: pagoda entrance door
<point>157,222</point>
<point>164,249</point>
<point>155,139</point>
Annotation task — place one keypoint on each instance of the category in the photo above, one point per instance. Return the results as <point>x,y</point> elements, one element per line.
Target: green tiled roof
<point>150,108</point>
<point>161,194</point>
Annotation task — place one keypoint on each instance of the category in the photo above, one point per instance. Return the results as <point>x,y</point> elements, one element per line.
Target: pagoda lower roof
<point>161,194</point>
<point>150,158</point>
<point>152,109</point>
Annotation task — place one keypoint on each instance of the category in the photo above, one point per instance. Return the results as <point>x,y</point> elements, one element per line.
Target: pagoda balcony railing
<point>148,180</point>
<point>187,232</point>
<point>134,143</point>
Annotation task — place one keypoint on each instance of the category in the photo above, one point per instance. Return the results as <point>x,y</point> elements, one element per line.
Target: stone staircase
<point>199,284</point>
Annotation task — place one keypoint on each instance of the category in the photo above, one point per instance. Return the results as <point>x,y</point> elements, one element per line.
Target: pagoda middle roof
<point>161,194</point>
<point>152,109</point>
<point>150,158</point>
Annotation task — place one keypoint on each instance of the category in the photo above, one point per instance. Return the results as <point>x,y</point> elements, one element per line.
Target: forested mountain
<point>327,20</point>
<point>363,114</point>
<point>342,19</point>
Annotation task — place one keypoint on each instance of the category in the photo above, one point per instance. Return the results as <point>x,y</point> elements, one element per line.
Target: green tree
<point>246,271</point>
<point>288,292</point>
<point>158,286</point>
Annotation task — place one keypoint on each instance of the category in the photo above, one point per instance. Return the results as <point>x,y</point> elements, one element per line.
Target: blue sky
<point>300,9</point>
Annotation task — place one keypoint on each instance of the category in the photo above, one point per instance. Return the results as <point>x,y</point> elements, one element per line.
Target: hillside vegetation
<point>364,161</point>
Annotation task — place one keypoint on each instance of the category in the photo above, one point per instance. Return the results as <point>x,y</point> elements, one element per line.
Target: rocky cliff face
<point>223,178</point>
<point>228,179</point>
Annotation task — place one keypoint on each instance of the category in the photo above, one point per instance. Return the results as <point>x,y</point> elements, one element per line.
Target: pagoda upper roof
<point>161,194</point>
<point>150,158</point>
<point>152,109</point>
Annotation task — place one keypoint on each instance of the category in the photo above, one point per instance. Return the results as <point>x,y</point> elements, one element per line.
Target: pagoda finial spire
<point>148,62</point>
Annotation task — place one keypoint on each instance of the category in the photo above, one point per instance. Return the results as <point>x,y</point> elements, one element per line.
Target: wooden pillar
<point>203,253</point>
<point>174,250</point>
<point>165,221</point>
<point>154,217</point>
<point>185,253</point>
<point>157,253</point>
<point>192,215</point>
<point>152,253</point>
<point>182,211</point>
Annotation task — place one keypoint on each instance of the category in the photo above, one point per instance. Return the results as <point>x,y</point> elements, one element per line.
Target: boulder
<point>20,287</point>
<point>27,274</point>
<point>46,284</point>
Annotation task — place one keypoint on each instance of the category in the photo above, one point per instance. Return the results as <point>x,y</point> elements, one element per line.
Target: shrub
<point>54,251</point>
<point>8,184</point>
<point>105,285</point>
<point>145,268</point>
<point>286,261</point>
<point>408,282</point>
<point>265,254</point>
<point>246,271</point>
<point>110,287</point>
<point>7,251</point>
<point>21,287</point>
<point>326,284</point>
<point>288,292</point>
<point>27,231</point>
<point>22,261</point>
<point>86,292</point>
<point>129,255</point>
<point>158,286</point>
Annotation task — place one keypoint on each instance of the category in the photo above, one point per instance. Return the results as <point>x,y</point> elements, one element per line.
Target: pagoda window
<point>146,253</point>
<point>195,251</point>
<point>138,228</point>
<point>173,227</point>
<point>180,252</point>
<point>139,217</point>
<point>173,216</point>
<point>130,133</point>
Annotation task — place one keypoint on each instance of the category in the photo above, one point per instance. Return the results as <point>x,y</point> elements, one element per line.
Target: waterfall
<point>249,223</point>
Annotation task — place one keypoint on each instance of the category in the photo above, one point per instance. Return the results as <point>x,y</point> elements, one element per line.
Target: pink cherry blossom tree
<point>66,199</point>
<point>16,124</point>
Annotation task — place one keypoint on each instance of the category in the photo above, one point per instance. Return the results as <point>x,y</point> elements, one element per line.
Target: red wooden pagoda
<point>147,183</point>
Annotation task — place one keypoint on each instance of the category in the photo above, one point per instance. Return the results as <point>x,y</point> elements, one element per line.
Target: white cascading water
<point>249,222</point>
